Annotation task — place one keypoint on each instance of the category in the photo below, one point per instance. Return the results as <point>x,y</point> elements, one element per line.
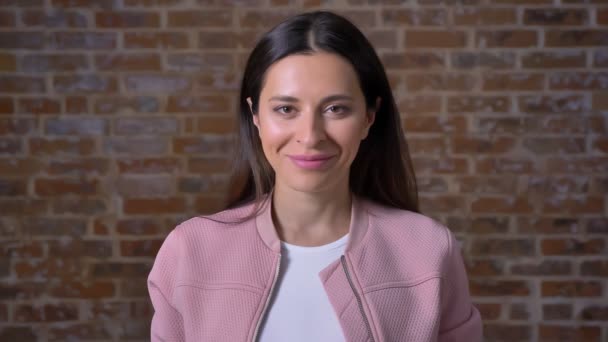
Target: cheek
<point>272,133</point>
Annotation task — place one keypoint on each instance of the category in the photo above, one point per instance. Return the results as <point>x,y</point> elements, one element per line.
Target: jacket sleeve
<point>167,323</point>
<point>460,320</point>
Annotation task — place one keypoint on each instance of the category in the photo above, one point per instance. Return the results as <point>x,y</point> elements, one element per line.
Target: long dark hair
<point>382,169</point>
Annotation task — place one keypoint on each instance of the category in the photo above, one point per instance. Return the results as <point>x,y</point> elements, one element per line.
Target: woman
<point>322,239</point>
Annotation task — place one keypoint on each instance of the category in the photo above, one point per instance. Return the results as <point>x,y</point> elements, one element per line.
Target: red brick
<point>576,38</point>
<point>553,59</point>
<point>6,105</point>
<point>128,62</point>
<point>79,331</point>
<point>598,268</point>
<point>62,146</point>
<point>78,166</point>
<point>487,185</point>
<point>488,311</point>
<point>492,104</point>
<point>85,84</point>
<point>22,40</point>
<point>435,39</point>
<point>76,248</point>
<point>153,40</point>
<point>199,18</point>
<point>442,166</point>
<point>558,104</point>
<point>19,166</point>
<point>573,204</point>
<point>576,165</point>
<point>414,17</point>
<point>49,268</point>
<point>541,146</point>
<point>17,126</point>
<point>87,290</point>
<point>76,105</point>
<point>571,289</point>
<point>555,16</point>
<point>505,205</point>
<point>149,165</point>
<point>22,84</point>
<point>262,19</point>
<point>572,246</point>
<point>435,124</point>
<point>506,39</point>
<point>11,146</point>
<point>514,288</point>
<point>569,333</point>
<point>8,62</point>
<point>414,105</point>
<point>549,225</point>
<point>38,106</point>
<point>485,268</point>
<point>218,40</point>
<point>84,40</point>
<point>210,145</point>
<point>138,227</point>
<point>578,81</point>
<point>140,248</point>
<point>440,82</point>
<point>60,187</point>
<point>8,18</point>
<point>13,187</point>
<point>544,268</point>
<point>40,18</point>
<point>513,82</point>
<point>557,312</point>
<point>507,332</point>
<point>504,166</point>
<point>442,203</point>
<point>154,205</point>
<point>22,207</point>
<point>53,63</point>
<point>129,19</point>
<point>429,145</point>
<point>473,16</point>
<point>413,60</point>
<point>45,313</point>
<point>503,247</point>
<point>602,16</point>
<point>22,249</point>
<point>120,104</point>
<point>473,145</point>
<point>84,3</point>
<point>198,104</point>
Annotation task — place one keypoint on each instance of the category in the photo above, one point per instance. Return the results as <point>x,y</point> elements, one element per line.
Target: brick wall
<point>115,118</point>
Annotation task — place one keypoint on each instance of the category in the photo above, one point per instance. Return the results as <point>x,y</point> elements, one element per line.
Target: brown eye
<point>284,109</point>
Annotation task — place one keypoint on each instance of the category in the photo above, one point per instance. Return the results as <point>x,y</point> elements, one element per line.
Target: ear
<point>256,119</point>
<point>371,117</point>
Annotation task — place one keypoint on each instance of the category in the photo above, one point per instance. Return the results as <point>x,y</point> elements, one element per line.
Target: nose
<point>311,129</point>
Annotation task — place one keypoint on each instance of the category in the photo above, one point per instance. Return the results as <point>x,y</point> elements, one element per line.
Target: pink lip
<point>311,162</point>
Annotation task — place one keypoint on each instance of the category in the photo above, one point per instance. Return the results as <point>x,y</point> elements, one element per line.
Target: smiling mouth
<point>312,162</point>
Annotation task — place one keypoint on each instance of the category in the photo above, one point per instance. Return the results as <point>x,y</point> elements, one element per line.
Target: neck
<point>311,219</point>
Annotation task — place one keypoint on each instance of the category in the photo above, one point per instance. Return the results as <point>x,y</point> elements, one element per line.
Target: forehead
<point>313,75</point>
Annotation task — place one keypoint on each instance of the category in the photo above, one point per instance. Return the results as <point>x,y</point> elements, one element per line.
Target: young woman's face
<point>311,119</point>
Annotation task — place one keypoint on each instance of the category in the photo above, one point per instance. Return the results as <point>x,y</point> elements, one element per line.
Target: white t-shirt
<point>300,309</point>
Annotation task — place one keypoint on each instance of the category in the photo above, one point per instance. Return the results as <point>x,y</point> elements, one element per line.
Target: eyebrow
<point>287,98</point>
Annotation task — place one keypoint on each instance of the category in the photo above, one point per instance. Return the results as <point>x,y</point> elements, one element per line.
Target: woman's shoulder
<point>227,218</point>
<point>400,218</point>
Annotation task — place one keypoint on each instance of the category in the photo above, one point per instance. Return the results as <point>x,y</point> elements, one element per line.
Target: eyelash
<point>343,109</point>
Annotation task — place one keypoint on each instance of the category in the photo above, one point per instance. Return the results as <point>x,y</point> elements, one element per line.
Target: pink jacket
<point>401,278</point>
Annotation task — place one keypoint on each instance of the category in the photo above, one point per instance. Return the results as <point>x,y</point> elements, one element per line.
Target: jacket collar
<point>359,224</point>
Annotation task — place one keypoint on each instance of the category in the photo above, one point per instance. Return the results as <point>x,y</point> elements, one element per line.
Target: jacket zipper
<point>276,275</point>
<point>352,286</point>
